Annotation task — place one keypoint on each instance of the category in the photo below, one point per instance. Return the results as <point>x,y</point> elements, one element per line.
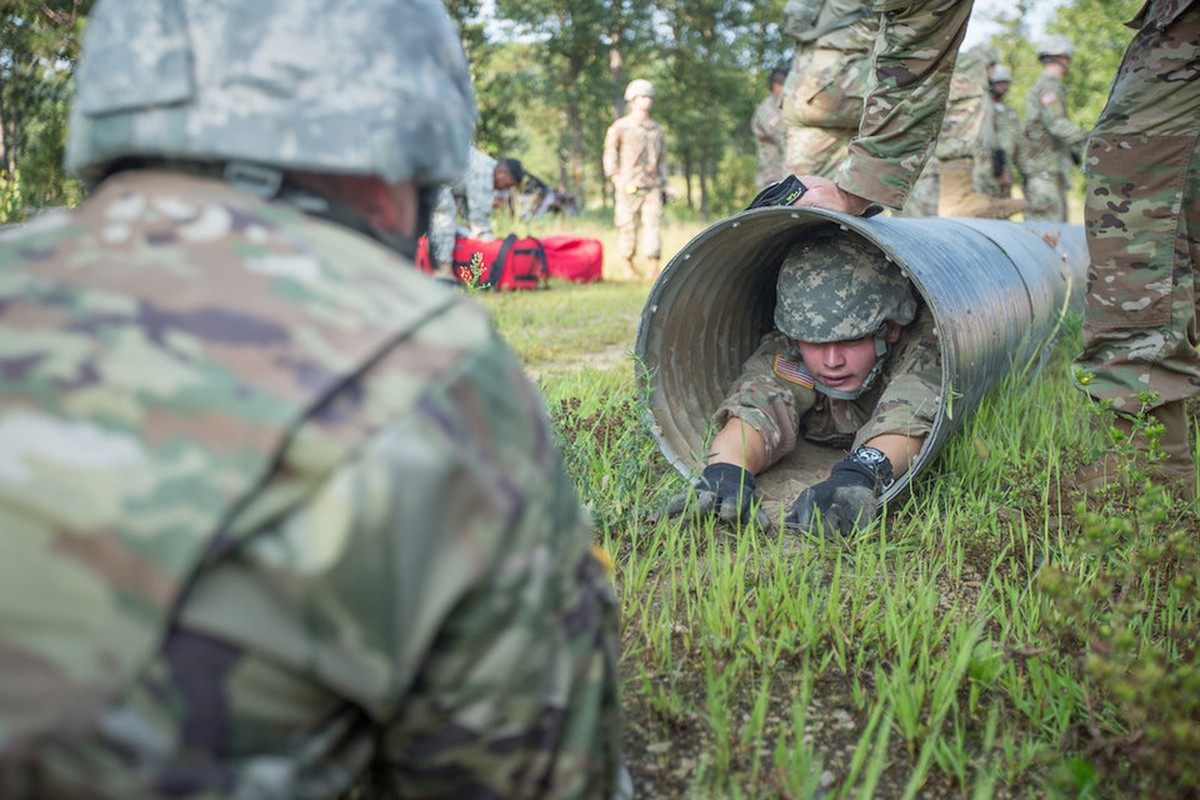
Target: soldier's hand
<point>725,491</point>
<point>824,193</point>
<point>845,501</point>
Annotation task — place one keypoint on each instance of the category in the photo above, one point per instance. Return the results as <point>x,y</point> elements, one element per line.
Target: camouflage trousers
<point>1143,225</point>
<point>639,213</point>
<point>1046,193</point>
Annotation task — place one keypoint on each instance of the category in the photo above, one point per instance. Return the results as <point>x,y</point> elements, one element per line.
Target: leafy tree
<point>1096,27</point>
<point>39,46</point>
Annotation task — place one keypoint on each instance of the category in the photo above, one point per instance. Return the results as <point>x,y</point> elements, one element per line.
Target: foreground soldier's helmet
<point>1001,74</point>
<point>374,87</point>
<point>639,87</point>
<point>839,289</point>
<point>1055,45</point>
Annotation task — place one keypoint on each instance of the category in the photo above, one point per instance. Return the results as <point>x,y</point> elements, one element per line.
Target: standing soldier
<point>993,176</point>
<point>968,139</point>
<point>635,160</point>
<point>823,96</point>
<point>770,134</point>
<point>279,515</point>
<point>1051,142</point>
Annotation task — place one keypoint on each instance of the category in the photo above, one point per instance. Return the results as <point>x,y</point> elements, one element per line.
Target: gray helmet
<point>835,289</point>
<point>1001,74</point>
<point>374,87</point>
<point>1055,45</point>
<point>639,87</point>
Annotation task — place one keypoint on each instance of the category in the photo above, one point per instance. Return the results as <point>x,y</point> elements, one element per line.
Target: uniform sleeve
<point>611,158</point>
<point>914,58</point>
<point>909,403</point>
<point>768,403</point>
<point>661,158</point>
<point>1059,125</point>
<point>443,227</point>
<point>481,193</point>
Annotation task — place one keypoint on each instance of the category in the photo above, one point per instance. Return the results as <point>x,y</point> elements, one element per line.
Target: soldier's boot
<point>1176,468</point>
<point>958,197</point>
<point>629,272</point>
<point>652,267</point>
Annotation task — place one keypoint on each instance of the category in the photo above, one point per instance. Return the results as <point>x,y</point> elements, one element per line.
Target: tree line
<point>549,77</point>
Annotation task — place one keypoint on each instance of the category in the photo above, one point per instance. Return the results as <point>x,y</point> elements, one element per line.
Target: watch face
<point>870,456</point>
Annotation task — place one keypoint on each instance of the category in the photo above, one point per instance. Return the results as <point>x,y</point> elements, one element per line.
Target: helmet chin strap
<point>881,348</point>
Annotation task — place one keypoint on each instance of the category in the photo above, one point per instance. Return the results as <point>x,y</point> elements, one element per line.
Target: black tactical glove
<point>788,191</point>
<point>846,499</point>
<point>723,490</point>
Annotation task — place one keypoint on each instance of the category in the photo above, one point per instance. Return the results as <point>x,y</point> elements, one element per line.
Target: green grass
<point>990,638</point>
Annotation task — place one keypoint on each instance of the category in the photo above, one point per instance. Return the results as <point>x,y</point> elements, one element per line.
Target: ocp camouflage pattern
<point>914,57</point>
<point>279,515</point>
<point>1142,219</point>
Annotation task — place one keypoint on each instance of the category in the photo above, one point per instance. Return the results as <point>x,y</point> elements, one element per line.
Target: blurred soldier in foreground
<point>854,363</point>
<point>823,96</point>
<point>279,514</point>
<point>968,141</point>
<point>635,160</point>
<point>473,194</point>
<point>770,134</point>
<point>1050,142</point>
<point>1142,211</point>
<point>993,172</point>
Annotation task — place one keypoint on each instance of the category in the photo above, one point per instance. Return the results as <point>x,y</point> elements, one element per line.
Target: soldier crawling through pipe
<point>853,362</point>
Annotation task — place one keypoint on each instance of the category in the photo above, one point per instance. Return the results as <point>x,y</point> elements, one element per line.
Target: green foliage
<point>1096,27</point>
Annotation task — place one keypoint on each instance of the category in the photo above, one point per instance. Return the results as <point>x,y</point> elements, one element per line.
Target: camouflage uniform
<point>822,98</point>
<point>1048,138</point>
<point>773,397</point>
<point>902,114</point>
<point>635,154</point>
<point>474,192</point>
<point>1008,130</point>
<point>1143,218</point>
<point>770,137</point>
<point>277,512</point>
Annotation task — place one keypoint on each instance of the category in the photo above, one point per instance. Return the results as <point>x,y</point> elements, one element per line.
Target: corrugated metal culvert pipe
<point>997,290</point>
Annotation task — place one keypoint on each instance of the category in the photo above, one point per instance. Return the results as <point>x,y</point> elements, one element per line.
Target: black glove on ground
<point>723,490</point>
<point>843,501</point>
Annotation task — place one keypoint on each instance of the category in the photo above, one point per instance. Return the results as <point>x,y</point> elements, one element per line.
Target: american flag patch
<point>793,371</point>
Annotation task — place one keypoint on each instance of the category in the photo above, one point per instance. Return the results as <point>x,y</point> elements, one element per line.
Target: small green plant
<point>12,204</point>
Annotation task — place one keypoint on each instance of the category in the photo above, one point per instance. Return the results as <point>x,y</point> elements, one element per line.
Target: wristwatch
<point>874,459</point>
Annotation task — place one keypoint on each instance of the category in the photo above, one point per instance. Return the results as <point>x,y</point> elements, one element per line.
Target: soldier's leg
<point>625,220</point>
<point>651,246</point>
<point>816,151</point>
<point>1043,196</point>
<point>1143,226</point>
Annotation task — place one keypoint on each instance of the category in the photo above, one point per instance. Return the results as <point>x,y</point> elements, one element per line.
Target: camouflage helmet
<point>1055,45</point>
<point>1001,74</point>
<point>375,87</point>
<point>639,87</point>
<point>836,289</point>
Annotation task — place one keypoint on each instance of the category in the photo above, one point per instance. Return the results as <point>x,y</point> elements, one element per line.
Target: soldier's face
<point>844,365</point>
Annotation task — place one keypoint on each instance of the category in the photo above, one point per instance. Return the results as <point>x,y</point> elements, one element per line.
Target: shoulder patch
<point>1049,97</point>
<point>793,370</point>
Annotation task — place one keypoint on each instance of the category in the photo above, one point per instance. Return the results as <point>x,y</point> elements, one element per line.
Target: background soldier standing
<point>770,134</point>
<point>822,99</point>
<point>635,160</point>
<point>1051,141</point>
<point>993,175</point>
<point>278,513</point>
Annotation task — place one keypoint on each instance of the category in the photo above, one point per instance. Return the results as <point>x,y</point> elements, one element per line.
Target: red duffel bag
<point>509,263</point>
<point>574,258</point>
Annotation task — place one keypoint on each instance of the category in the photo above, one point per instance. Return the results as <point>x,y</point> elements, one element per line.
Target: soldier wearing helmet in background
<point>635,160</point>
<point>1050,141</point>
<point>280,515</point>
<point>968,141</point>
<point>770,134</point>
<point>993,173</point>
<point>853,363</point>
